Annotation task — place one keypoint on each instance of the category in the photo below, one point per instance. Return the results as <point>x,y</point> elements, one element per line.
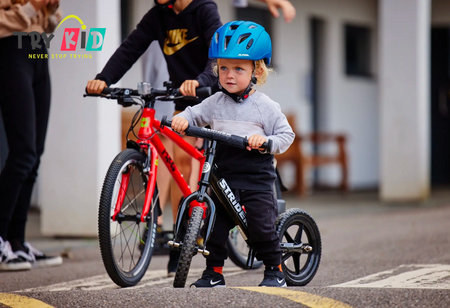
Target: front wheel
<point>189,247</point>
<point>295,228</point>
<point>126,243</point>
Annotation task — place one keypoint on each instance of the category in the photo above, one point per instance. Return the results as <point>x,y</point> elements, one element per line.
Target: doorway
<point>440,106</point>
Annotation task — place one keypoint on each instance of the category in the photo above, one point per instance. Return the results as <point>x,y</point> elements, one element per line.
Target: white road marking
<point>103,282</point>
<point>412,276</point>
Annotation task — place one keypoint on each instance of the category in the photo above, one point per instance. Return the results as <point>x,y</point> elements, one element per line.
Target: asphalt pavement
<point>374,255</point>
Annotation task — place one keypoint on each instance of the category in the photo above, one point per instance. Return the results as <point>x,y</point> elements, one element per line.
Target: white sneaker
<point>9,261</point>
<point>38,258</point>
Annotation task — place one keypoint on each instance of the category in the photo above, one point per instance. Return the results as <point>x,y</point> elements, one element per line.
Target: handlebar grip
<point>105,91</point>
<point>202,91</point>
<point>108,90</point>
<point>165,122</point>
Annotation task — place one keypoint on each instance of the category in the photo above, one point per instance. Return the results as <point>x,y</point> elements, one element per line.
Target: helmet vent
<point>233,27</point>
<point>217,38</point>
<point>252,27</point>
<point>243,37</point>
<point>227,40</point>
<point>250,43</point>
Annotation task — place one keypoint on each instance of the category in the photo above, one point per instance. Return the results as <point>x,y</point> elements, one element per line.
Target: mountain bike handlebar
<point>222,137</point>
<point>167,94</point>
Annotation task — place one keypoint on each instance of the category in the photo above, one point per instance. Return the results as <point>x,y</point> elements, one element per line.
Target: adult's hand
<point>286,6</point>
<point>39,4</point>
<point>95,86</point>
<point>188,87</point>
<point>52,6</point>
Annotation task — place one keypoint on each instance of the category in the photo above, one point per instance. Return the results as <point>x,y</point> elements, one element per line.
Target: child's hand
<point>95,86</point>
<point>255,142</point>
<point>179,125</point>
<point>188,87</point>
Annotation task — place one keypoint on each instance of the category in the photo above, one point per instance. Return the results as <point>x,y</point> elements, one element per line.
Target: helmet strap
<point>245,94</point>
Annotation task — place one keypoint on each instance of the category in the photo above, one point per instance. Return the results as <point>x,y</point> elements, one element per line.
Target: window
<point>125,18</point>
<point>357,51</point>
<point>260,16</point>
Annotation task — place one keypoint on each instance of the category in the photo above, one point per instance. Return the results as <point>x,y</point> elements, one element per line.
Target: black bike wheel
<point>189,247</point>
<point>126,244</point>
<point>298,227</point>
<point>237,246</point>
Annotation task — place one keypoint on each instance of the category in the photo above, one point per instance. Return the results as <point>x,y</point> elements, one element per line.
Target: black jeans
<point>262,210</point>
<point>25,105</point>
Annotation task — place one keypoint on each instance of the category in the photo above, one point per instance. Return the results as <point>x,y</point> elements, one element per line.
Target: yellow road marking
<point>18,301</point>
<point>307,299</point>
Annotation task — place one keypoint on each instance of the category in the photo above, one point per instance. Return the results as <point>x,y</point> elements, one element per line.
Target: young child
<point>243,49</point>
<point>183,29</point>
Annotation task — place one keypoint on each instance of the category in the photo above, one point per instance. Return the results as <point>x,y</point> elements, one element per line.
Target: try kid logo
<point>72,38</point>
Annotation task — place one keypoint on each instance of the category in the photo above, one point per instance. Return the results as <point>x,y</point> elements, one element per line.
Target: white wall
<point>83,134</point>
<point>349,104</point>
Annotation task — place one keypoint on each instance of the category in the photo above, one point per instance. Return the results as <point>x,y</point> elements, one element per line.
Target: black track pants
<point>25,105</point>
<point>262,210</point>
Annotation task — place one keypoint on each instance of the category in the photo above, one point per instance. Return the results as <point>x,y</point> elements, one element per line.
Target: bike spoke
<point>286,256</point>
<point>296,259</point>
<point>298,235</point>
<point>289,239</point>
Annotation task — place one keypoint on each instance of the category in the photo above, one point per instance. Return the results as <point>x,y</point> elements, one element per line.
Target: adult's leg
<point>18,110</point>
<point>183,161</point>
<point>163,177</point>
<point>42,91</point>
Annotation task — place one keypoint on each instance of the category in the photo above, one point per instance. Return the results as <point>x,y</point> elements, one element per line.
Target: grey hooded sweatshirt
<point>257,114</point>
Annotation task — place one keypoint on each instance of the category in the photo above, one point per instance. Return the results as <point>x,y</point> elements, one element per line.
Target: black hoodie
<point>184,39</point>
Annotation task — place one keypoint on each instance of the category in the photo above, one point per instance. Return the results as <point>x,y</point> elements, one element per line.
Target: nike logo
<point>214,282</point>
<point>175,40</point>
<point>280,281</point>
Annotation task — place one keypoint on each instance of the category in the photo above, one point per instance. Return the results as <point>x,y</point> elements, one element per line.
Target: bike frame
<point>152,145</point>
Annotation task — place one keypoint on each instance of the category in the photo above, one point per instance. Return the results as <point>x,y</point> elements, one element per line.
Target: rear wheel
<point>189,247</point>
<point>296,227</point>
<point>126,243</point>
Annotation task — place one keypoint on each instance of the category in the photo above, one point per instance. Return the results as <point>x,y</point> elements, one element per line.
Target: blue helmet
<point>245,40</point>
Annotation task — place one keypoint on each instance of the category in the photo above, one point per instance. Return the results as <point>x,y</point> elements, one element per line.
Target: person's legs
<point>217,246</point>
<point>42,91</point>
<point>262,210</point>
<point>18,111</point>
<point>163,177</point>
<point>183,161</point>
<point>19,118</point>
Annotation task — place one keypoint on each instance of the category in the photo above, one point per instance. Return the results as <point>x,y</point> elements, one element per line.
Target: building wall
<point>349,105</point>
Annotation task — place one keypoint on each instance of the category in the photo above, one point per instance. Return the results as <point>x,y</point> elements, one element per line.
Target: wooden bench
<point>304,163</point>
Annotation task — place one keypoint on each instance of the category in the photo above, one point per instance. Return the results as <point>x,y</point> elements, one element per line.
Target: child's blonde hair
<point>259,64</point>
